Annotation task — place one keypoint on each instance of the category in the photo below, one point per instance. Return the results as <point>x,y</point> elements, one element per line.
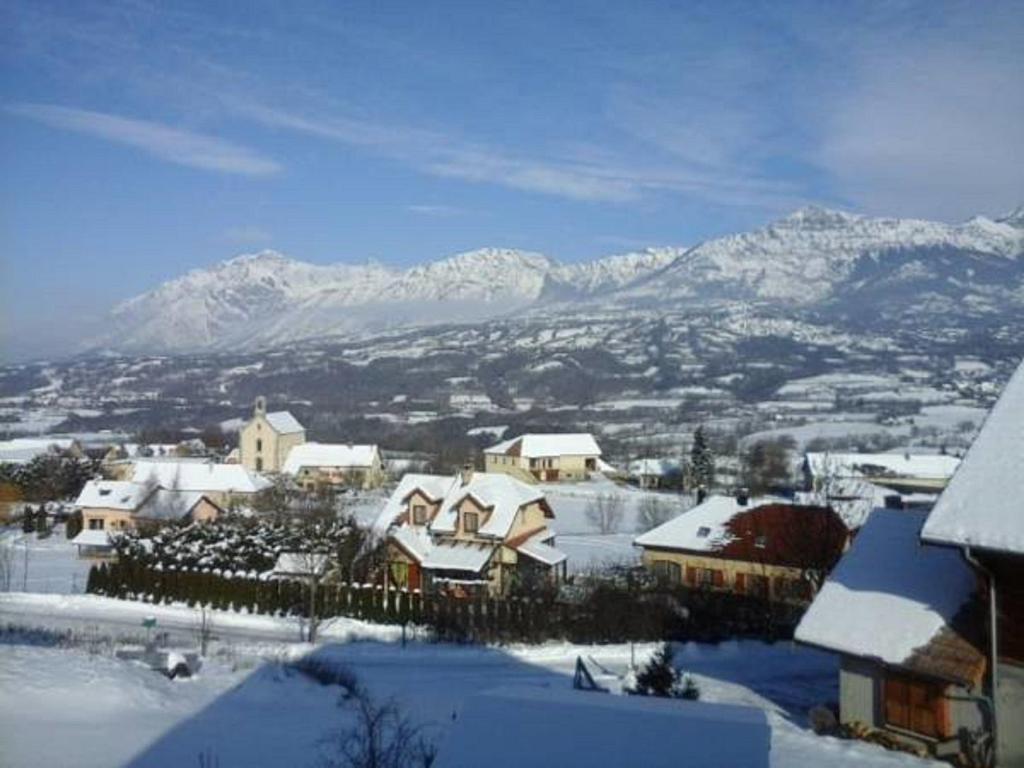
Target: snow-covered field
<point>48,565</point>
<point>69,707</point>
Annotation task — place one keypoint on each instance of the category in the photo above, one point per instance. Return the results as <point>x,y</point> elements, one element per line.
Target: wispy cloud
<point>246,235</point>
<point>439,211</point>
<point>174,145</point>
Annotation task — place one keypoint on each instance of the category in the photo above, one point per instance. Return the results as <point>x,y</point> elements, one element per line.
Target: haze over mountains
<point>820,260</point>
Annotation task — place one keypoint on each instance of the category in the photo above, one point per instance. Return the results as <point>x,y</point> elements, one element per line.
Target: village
<point>902,568</point>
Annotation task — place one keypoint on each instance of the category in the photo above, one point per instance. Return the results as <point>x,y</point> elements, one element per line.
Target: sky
<point>139,140</point>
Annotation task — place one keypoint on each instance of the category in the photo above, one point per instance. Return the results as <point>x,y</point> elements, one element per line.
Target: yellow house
<point>545,457</point>
<point>267,438</point>
<point>768,547</point>
<point>316,465</point>
<point>113,506</point>
<point>470,534</point>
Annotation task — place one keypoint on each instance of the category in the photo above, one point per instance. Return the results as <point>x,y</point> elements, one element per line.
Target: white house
<point>545,457</point>
<point>335,464</point>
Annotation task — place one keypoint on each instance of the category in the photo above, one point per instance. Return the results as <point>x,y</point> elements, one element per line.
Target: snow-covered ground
<point>48,565</point>
<point>69,707</point>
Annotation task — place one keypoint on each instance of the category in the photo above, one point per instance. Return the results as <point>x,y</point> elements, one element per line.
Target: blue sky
<point>140,139</point>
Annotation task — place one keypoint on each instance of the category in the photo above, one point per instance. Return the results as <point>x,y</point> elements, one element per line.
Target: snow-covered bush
<point>660,678</point>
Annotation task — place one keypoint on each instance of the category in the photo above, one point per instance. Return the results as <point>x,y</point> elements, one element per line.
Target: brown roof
<point>954,652</point>
<point>785,534</point>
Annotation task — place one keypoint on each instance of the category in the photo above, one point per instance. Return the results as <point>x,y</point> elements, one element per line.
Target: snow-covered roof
<point>554,727</point>
<point>446,556</point>
<point>534,446</point>
<point>284,423</point>
<point>92,538</point>
<point>169,505</point>
<point>204,476</point>
<point>502,494</point>
<point>300,564</point>
<point>889,595</point>
<point>703,528</point>
<point>653,467</point>
<point>910,465</point>
<point>537,548</point>
<point>21,450</point>
<point>315,455</point>
<point>112,494</point>
<point>983,505</point>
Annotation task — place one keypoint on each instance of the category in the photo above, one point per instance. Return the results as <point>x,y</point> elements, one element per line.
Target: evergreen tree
<point>702,460</point>
<point>658,678</point>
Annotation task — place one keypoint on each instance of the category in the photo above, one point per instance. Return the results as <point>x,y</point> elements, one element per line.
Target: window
<point>703,532</point>
<point>104,491</point>
<point>761,541</point>
<point>259,445</point>
<point>704,577</point>
<point>667,571</point>
<point>419,514</point>
<point>756,584</point>
<point>915,705</point>
<point>95,524</point>
<point>470,522</point>
<point>259,463</point>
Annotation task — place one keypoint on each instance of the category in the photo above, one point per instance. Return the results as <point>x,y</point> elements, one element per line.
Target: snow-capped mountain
<point>808,256</point>
<point>814,258</point>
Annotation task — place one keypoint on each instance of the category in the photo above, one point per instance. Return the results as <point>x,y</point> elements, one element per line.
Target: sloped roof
<point>983,505</point>
<point>112,494</point>
<point>329,455</point>
<point>655,467</point>
<point>553,727</point>
<point>441,556</point>
<point>204,476</point>
<point>536,548</point>
<point>169,505</point>
<point>284,423</point>
<point>534,446</point>
<point>703,528</point>
<point>889,597</point>
<point>907,465</point>
<point>501,494</point>
<point>91,538</point>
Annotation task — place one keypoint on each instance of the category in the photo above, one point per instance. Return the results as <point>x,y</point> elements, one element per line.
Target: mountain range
<point>814,260</point>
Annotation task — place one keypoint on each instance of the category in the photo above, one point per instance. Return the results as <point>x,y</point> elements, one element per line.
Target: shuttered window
<point>667,571</point>
<point>916,705</point>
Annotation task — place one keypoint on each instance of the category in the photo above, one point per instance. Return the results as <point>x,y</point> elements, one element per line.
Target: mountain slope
<point>844,265</point>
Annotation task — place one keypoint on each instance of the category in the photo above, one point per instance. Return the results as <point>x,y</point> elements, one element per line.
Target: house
<point>224,484</point>
<point>854,498</point>
<point>545,457</point>
<point>767,547</point>
<point>23,450</point>
<point>112,506</point>
<point>266,439</point>
<point>316,465</point>
<point>902,618</point>
<point>557,727</point>
<point>655,473</point>
<point>473,533</point>
<point>905,472</point>
<point>980,516</point>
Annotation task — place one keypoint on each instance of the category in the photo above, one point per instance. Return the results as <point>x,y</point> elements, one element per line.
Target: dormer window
<point>470,522</point>
<point>703,532</point>
<point>419,514</point>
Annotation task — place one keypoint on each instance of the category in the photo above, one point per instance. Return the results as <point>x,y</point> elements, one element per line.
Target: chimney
<point>702,494</point>
<point>742,496</point>
<point>467,472</point>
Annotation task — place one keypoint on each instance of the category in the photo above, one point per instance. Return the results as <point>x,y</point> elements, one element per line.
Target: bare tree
<point>652,512</point>
<point>605,512</point>
<point>203,627</point>
<point>382,737</point>
<point>6,567</point>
